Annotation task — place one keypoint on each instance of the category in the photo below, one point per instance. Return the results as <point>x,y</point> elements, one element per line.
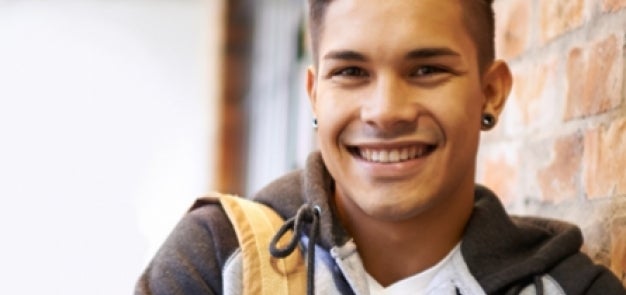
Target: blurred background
<point>116,115</point>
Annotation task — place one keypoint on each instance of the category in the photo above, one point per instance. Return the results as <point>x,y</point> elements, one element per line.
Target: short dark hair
<point>478,15</point>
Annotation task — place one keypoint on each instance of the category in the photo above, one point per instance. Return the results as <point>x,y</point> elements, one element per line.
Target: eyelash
<point>344,72</point>
<point>430,70</point>
<point>420,71</point>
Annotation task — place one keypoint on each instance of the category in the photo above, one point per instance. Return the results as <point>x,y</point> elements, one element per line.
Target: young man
<point>401,91</point>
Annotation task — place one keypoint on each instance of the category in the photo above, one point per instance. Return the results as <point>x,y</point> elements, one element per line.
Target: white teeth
<point>404,154</point>
<point>383,156</point>
<point>392,155</point>
<point>412,151</point>
<point>420,152</point>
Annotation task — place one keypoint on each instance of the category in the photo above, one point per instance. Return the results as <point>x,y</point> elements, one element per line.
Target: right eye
<point>350,72</point>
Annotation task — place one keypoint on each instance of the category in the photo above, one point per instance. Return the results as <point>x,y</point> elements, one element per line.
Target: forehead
<point>390,25</point>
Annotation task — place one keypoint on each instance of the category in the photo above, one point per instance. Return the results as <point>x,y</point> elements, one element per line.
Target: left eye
<point>427,70</point>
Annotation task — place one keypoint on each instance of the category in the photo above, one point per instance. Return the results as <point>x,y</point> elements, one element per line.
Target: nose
<point>391,106</point>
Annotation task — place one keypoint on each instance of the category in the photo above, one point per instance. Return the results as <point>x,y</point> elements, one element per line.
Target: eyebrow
<point>431,52</point>
<point>420,53</point>
<point>345,55</point>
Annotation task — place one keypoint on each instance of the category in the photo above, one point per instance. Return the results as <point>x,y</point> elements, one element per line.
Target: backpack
<point>255,224</point>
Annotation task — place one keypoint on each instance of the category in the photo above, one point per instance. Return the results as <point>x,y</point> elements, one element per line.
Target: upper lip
<point>377,144</point>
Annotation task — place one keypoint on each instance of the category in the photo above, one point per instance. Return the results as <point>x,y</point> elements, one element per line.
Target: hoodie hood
<point>519,248</point>
<point>500,251</point>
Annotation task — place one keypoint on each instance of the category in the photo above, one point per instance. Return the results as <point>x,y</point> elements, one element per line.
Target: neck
<point>394,250</point>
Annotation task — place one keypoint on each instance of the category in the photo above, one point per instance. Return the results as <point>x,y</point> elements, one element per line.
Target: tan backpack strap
<point>255,224</point>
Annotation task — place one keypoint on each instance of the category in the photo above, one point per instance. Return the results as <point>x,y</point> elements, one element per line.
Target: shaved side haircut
<point>478,15</point>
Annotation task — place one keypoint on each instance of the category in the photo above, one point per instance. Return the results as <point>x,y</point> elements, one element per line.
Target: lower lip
<point>392,171</point>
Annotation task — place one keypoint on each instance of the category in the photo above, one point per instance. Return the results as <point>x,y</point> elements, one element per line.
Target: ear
<point>311,88</point>
<point>497,82</point>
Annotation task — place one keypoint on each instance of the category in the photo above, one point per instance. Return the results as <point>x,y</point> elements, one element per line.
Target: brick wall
<point>560,148</point>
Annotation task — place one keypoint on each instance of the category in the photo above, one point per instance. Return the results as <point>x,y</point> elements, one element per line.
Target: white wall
<point>279,112</point>
<point>107,124</point>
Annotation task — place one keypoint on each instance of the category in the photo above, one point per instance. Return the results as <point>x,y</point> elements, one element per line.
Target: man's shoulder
<point>205,230</point>
<point>503,251</point>
<point>578,274</point>
<point>193,256</point>
<point>208,214</point>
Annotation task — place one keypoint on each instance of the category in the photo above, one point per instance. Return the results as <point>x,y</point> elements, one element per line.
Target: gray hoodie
<point>503,254</point>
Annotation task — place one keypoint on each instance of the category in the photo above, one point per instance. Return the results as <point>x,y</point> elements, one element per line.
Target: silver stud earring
<point>314,123</point>
<point>488,121</point>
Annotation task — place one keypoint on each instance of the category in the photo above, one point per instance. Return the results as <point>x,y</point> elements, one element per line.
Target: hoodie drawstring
<point>536,281</point>
<point>306,214</point>
<point>538,285</point>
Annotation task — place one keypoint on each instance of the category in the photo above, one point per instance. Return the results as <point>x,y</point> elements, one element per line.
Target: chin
<point>395,209</point>
<point>393,213</point>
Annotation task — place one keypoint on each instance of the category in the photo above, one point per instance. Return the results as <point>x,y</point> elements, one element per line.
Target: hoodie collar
<point>499,250</point>
<point>312,185</point>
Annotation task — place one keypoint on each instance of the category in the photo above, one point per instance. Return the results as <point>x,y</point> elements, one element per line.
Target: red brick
<point>618,248</point>
<point>534,92</point>
<point>604,160</point>
<point>560,16</point>
<point>613,5</point>
<point>560,179</point>
<point>512,27</point>
<point>595,225</point>
<point>500,176</point>
<point>594,78</point>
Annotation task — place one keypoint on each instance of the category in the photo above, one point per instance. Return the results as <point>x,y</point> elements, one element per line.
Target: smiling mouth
<point>392,155</point>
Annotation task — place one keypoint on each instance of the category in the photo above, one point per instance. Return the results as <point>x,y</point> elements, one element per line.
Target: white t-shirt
<point>446,277</point>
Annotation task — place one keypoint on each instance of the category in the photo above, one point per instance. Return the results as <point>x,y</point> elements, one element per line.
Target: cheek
<point>463,102</point>
<point>458,112</point>
<point>334,113</point>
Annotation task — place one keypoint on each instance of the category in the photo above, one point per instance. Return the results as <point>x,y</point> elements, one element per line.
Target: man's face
<point>398,97</point>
